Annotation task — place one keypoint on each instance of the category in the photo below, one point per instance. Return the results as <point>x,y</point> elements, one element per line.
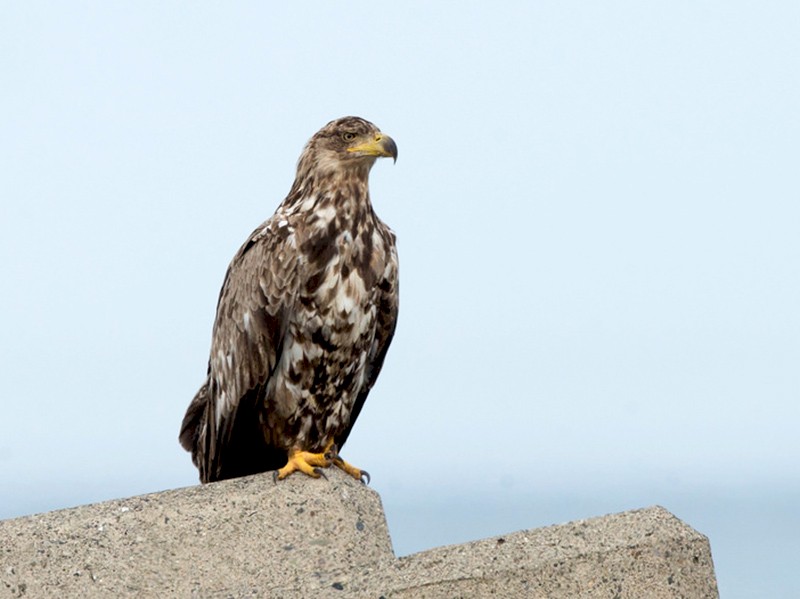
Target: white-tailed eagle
<point>304,319</point>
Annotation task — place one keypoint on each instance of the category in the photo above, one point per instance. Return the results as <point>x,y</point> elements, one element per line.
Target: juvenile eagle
<point>304,319</point>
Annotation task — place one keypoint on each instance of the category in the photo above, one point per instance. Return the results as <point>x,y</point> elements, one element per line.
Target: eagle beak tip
<point>390,147</point>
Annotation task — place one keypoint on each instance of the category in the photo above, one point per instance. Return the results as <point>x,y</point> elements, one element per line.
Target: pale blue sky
<point>597,213</point>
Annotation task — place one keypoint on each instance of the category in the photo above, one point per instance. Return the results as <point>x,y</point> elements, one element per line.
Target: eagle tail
<point>192,421</point>
<point>239,439</point>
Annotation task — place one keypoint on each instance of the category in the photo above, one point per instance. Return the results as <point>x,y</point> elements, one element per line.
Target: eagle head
<point>345,144</point>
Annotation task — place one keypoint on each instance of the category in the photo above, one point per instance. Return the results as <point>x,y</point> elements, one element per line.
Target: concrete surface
<point>209,537</point>
<point>328,538</point>
<point>639,554</point>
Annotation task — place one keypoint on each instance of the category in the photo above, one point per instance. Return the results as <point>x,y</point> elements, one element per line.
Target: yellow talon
<point>333,453</point>
<point>310,464</point>
<point>304,461</point>
<point>356,473</point>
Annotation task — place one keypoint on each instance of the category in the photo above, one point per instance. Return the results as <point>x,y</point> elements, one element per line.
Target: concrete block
<point>223,536</point>
<point>328,538</point>
<point>646,553</point>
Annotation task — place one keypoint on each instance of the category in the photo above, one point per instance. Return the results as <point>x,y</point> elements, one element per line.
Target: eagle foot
<point>332,453</point>
<point>357,473</point>
<point>313,463</point>
<point>305,462</point>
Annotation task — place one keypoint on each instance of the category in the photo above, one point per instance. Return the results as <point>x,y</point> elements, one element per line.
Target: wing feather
<point>224,417</point>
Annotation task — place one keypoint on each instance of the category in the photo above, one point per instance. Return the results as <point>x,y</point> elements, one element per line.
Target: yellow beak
<point>381,145</point>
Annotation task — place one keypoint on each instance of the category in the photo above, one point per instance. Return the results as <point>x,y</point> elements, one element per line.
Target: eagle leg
<point>332,453</point>
<point>304,461</point>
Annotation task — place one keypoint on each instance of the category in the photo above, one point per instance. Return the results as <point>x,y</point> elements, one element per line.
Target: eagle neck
<point>345,191</point>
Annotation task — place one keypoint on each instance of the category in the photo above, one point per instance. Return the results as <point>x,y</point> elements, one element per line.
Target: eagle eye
<point>348,136</point>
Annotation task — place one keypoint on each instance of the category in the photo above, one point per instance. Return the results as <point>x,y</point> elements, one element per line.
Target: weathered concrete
<point>643,553</point>
<point>247,531</point>
<point>308,538</point>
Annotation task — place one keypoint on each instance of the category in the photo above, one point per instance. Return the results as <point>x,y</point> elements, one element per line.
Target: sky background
<point>597,213</point>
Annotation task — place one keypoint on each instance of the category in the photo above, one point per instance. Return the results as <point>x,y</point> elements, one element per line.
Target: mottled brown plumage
<point>304,319</point>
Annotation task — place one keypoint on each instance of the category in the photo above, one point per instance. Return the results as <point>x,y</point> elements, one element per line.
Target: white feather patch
<point>247,324</point>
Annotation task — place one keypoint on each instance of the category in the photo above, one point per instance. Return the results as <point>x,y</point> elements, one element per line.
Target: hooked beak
<point>380,145</point>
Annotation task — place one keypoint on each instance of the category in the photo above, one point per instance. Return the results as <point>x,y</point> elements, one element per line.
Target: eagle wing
<point>251,321</point>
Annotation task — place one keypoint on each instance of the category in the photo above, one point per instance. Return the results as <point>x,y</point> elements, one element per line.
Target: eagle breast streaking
<point>304,319</point>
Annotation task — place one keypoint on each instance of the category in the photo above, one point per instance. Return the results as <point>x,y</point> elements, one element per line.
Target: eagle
<point>304,319</point>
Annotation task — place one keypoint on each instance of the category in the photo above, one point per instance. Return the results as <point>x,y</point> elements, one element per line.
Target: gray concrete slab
<point>646,553</point>
<point>328,538</point>
<point>175,543</point>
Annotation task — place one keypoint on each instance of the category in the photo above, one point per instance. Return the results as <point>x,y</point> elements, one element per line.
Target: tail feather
<point>193,420</point>
<point>233,447</point>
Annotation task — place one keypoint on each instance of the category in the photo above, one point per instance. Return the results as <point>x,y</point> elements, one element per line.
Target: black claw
<point>332,454</point>
<point>365,474</point>
<point>275,476</point>
<point>319,472</point>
